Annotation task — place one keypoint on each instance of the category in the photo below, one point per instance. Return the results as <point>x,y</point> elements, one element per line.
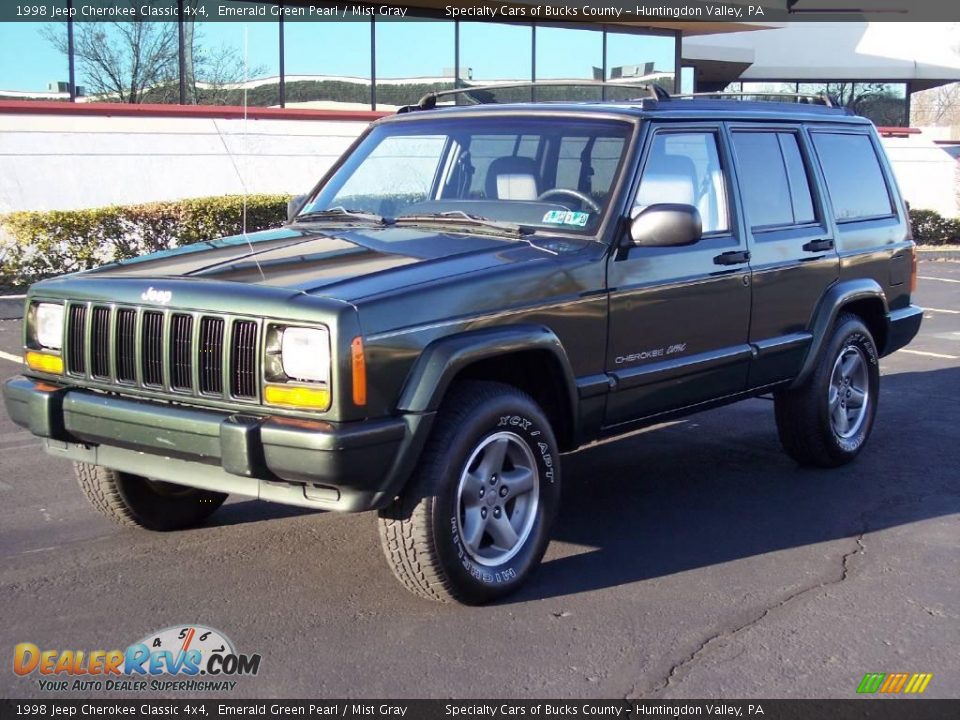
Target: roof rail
<point>819,97</point>
<point>484,94</point>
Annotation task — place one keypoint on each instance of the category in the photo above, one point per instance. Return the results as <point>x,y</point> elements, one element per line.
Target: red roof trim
<point>898,131</point>
<point>35,107</point>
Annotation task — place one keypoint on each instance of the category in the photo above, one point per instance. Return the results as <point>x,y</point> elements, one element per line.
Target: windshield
<point>555,173</point>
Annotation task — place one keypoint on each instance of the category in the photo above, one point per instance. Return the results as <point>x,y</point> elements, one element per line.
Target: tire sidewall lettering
<point>539,441</point>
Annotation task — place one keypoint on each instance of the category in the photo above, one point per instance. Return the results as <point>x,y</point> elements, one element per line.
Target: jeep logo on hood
<point>161,297</point>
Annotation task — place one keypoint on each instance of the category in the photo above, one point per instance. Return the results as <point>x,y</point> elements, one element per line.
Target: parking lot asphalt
<point>692,560</point>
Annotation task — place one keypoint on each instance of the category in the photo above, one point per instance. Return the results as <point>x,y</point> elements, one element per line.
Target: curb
<point>948,253</point>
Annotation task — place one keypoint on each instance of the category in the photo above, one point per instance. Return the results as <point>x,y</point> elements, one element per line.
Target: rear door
<point>679,315</point>
<point>792,246</point>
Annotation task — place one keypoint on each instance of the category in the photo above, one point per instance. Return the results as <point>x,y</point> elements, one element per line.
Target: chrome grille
<point>243,360</point>
<point>211,356</point>
<point>152,349</point>
<point>76,334</point>
<point>179,353</point>
<point>126,345</point>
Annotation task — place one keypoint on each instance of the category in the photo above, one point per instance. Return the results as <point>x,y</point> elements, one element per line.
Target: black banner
<point>880,709</point>
<point>555,11</point>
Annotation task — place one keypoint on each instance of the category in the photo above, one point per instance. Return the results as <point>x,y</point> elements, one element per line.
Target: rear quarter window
<point>854,178</point>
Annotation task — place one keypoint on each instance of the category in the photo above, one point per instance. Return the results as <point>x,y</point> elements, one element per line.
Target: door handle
<point>732,257</point>
<point>818,245</point>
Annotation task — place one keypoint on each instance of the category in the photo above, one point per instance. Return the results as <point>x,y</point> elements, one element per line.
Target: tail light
<point>913,271</point>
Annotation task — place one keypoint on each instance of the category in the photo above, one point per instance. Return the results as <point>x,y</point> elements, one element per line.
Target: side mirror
<point>666,225</point>
<point>294,206</point>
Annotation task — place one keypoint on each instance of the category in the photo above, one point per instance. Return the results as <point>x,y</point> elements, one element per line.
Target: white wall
<point>928,176</point>
<point>63,162</point>
<point>69,162</point>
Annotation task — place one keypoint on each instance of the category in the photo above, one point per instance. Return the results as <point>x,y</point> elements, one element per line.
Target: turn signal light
<point>913,273</point>
<point>359,364</point>
<point>296,396</point>
<point>41,362</point>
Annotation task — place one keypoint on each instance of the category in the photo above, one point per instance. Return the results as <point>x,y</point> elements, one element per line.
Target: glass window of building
<point>33,61</point>
<point>640,58</point>
<point>413,57</point>
<point>492,52</point>
<point>884,103</point>
<point>336,78</point>
<point>229,63</point>
<point>770,90</point>
<point>568,54</point>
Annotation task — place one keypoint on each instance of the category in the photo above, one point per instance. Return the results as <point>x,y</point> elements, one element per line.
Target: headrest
<point>668,179</point>
<point>512,178</point>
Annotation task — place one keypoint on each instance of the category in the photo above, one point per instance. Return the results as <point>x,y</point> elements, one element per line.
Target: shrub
<point>36,245</point>
<point>931,228</point>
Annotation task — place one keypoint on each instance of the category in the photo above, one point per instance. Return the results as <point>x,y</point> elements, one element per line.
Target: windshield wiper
<point>340,213</point>
<point>463,219</point>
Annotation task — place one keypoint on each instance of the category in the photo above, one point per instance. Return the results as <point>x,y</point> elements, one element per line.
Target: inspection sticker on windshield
<point>566,217</point>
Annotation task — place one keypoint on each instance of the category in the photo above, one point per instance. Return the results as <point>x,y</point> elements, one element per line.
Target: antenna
<point>246,147</point>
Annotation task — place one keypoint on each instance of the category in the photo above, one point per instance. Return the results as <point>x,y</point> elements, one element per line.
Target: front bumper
<point>336,466</point>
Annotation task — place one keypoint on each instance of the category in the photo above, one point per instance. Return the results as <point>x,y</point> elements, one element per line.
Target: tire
<point>448,536</point>
<point>135,501</point>
<point>826,421</point>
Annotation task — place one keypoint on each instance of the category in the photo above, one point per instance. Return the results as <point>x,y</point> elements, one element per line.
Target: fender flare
<point>832,303</point>
<point>441,361</point>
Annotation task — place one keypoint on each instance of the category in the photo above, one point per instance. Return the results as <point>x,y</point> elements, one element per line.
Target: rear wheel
<point>474,522</point>
<point>827,420</point>
<point>136,501</point>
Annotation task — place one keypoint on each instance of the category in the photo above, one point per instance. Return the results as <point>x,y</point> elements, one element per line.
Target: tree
<point>123,61</point>
<point>138,60</point>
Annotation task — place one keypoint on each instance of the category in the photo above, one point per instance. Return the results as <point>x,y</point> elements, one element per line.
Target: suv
<point>470,292</point>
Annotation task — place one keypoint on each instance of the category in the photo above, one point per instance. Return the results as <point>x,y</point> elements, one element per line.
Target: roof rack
<point>819,97</point>
<point>484,94</point>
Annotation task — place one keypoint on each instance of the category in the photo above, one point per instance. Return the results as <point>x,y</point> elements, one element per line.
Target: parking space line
<point>941,310</point>
<point>932,354</point>
<point>12,358</point>
<point>928,277</point>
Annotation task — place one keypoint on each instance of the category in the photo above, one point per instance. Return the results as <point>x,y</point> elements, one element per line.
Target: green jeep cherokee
<point>470,292</point>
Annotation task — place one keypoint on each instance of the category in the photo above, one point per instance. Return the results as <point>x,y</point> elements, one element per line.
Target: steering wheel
<point>582,197</point>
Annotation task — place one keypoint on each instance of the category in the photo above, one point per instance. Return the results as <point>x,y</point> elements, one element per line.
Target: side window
<point>684,167</point>
<point>776,191</point>
<point>854,178</point>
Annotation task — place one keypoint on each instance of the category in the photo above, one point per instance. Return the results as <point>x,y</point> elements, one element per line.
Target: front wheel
<point>827,420</point>
<point>474,522</point>
<point>135,501</point>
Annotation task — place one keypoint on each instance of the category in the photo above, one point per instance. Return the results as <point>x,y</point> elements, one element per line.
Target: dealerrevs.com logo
<point>187,657</point>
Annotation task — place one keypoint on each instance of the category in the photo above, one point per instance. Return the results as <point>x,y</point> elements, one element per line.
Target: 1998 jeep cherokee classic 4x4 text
<point>468,293</point>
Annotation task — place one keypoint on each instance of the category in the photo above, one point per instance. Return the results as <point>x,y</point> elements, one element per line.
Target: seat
<point>512,178</point>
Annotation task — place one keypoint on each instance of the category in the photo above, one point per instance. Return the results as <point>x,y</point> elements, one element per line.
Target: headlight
<point>48,325</point>
<point>305,353</point>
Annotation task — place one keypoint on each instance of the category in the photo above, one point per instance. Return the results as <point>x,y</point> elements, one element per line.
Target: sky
<point>405,49</point>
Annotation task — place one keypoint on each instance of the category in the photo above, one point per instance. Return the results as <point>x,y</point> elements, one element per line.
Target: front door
<point>679,316</point>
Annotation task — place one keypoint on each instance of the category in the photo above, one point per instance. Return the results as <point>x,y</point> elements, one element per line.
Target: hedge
<point>931,228</point>
<point>35,245</point>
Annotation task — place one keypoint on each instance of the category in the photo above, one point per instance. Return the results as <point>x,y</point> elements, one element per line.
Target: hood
<point>344,262</point>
